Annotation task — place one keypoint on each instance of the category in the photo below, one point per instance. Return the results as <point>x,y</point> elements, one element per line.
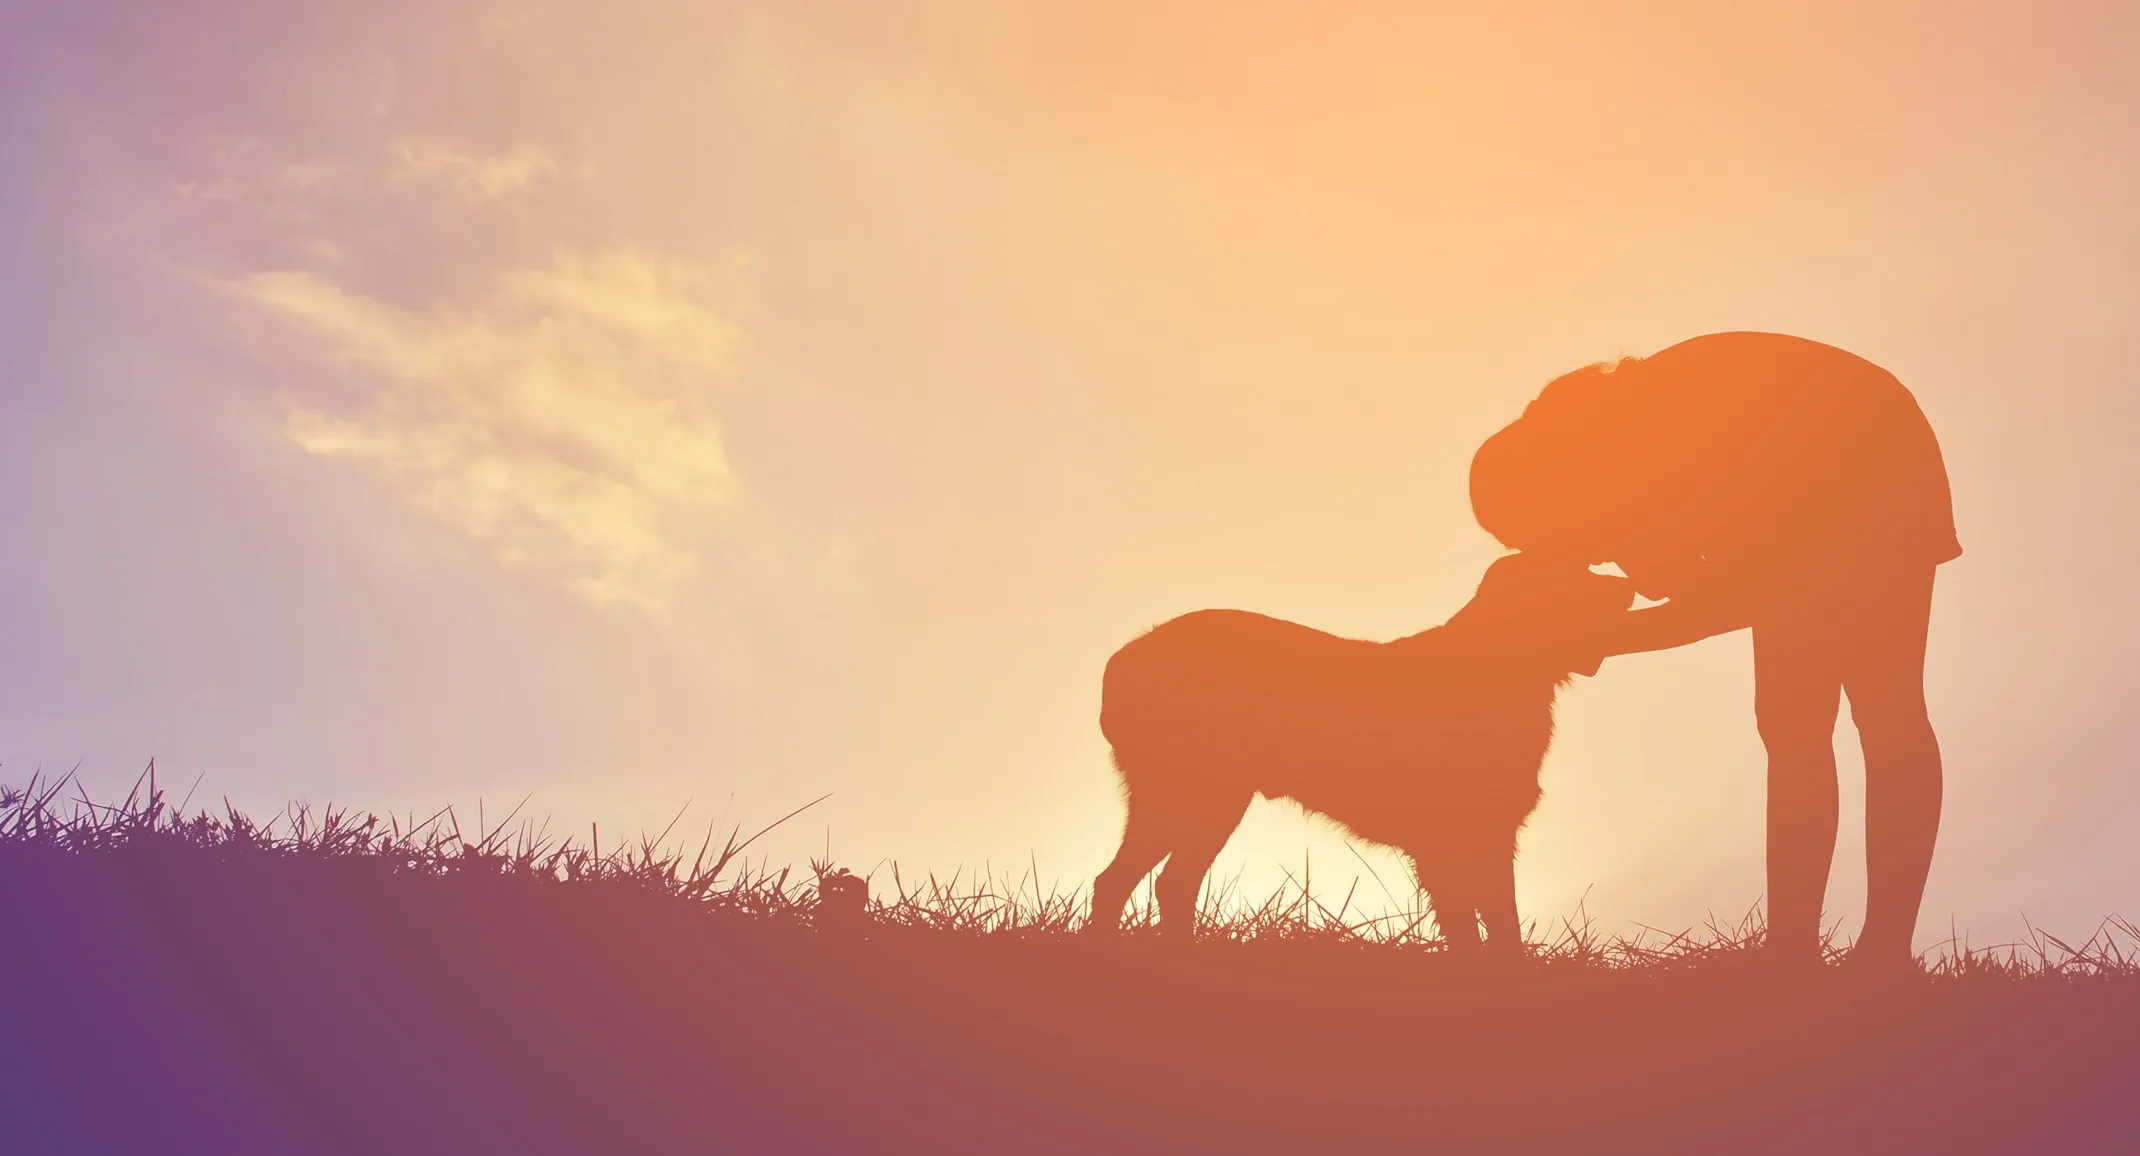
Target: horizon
<point>408,407</point>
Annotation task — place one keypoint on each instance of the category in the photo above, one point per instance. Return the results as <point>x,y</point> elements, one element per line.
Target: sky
<point>643,406</point>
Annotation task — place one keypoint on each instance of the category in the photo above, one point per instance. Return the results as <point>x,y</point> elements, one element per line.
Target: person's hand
<point>1661,576</point>
<point>1675,623</point>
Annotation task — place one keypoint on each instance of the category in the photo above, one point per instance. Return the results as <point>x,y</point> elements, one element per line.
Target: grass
<point>720,881</point>
<point>424,984</point>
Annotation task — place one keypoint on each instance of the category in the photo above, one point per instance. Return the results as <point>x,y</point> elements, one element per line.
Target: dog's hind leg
<point>1145,841</point>
<point>1203,835</point>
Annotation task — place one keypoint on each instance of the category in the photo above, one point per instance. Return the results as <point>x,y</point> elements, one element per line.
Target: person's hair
<point>1527,481</point>
<point>1580,395</point>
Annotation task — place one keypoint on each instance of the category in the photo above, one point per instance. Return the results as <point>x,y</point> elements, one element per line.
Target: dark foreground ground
<point>159,998</point>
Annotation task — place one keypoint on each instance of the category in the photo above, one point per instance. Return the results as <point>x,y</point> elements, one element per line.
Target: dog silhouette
<point>1430,744</point>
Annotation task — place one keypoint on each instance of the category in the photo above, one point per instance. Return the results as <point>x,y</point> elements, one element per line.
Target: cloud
<point>568,424</point>
<point>481,178</point>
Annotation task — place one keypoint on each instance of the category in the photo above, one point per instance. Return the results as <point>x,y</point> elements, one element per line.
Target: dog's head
<point>1556,610</point>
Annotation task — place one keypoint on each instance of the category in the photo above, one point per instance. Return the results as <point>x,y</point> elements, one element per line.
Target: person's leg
<point>1884,675</point>
<point>1796,692</point>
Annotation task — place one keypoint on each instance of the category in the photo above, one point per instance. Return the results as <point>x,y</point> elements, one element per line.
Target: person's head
<point>1535,485</point>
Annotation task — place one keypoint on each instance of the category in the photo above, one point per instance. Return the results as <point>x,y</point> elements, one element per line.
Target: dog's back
<point>1384,738</point>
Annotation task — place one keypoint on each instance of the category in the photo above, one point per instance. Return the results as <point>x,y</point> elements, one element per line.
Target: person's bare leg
<point>1796,694</point>
<point>1903,778</point>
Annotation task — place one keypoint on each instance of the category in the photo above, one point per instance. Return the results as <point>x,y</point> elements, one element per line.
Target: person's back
<point>1765,455</point>
<point>1757,479</point>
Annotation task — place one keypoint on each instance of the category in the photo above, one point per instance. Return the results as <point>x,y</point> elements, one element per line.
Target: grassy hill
<point>332,984</point>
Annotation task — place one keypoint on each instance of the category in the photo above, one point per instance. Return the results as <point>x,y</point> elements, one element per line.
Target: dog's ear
<point>1623,591</point>
<point>1507,570</point>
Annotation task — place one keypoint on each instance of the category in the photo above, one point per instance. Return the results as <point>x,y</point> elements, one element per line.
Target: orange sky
<point>413,404</point>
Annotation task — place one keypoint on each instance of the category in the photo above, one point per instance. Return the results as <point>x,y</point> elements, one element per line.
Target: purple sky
<point>411,404</point>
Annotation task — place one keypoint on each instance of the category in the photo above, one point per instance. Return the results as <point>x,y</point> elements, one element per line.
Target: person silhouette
<point>1766,481</point>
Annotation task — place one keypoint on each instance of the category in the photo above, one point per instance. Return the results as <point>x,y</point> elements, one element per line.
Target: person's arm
<point>1674,623</point>
<point>1703,602</point>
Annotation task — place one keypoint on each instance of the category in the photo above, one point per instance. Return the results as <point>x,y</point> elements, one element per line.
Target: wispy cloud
<point>479,177</point>
<point>567,423</point>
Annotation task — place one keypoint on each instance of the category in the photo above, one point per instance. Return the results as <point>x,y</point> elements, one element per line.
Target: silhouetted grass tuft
<point>331,982</point>
<point>716,877</point>
<point>57,816</point>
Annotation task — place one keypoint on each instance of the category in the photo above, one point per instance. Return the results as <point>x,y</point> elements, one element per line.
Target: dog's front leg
<point>1497,906</point>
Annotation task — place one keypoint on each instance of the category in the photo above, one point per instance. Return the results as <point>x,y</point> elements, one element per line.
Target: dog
<point>1430,744</point>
